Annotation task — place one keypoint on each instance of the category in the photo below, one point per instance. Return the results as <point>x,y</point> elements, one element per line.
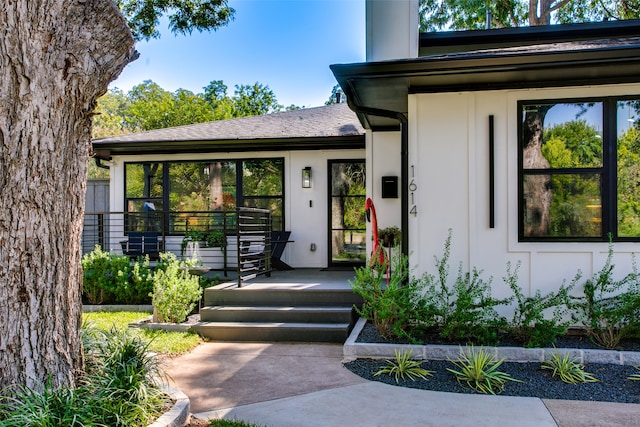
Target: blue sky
<point>285,44</point>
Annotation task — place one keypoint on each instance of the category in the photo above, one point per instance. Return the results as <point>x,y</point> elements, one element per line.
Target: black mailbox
<point>389,187</point>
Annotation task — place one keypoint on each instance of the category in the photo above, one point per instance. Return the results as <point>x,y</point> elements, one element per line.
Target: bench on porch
<point>143,243</point>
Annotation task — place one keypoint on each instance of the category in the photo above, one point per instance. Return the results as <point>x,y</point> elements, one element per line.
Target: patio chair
<point>279,240</point>
<point>143,243</point>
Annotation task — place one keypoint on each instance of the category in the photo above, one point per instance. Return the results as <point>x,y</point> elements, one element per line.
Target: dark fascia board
<point>106,150</point>
<point>386,84</point>
<point>460,41</point>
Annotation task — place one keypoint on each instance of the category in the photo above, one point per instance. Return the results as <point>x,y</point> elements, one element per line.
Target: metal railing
<point>254,243</point>
<point>220,240</point>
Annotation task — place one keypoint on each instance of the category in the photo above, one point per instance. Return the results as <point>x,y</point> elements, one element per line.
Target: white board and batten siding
<point>448,151</point>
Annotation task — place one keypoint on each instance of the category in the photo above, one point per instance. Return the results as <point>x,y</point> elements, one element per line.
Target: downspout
<point>404,165</point>
<point>99,163</point>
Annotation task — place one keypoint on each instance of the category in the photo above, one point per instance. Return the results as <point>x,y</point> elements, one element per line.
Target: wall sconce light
<point>306,177</point>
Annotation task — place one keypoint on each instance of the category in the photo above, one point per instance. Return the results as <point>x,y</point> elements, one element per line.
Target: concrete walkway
<point>275,384</point>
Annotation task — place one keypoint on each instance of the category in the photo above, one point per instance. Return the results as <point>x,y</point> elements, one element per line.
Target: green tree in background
<point>438,15</point>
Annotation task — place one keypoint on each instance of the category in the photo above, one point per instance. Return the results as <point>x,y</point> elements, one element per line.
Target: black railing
<point>212,237</point>
<point>254,243</point>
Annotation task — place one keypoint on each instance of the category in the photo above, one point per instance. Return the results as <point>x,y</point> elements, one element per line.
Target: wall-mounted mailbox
<point>389,187</point>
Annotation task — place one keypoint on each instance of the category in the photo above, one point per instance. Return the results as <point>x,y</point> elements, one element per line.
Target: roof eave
<point>106,150</point>
<point>385,85</point>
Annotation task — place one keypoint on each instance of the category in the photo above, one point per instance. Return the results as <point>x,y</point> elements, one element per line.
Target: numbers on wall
<point>412,189</point>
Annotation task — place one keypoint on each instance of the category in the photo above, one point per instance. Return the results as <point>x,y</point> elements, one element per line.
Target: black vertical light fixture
<point>306,177</point>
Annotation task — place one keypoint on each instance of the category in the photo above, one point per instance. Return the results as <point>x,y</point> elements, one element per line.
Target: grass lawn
<point>164,342</point>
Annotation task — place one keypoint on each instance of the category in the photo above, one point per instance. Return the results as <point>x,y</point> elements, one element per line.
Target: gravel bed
<point>369,334</point>
<point>613,385</point>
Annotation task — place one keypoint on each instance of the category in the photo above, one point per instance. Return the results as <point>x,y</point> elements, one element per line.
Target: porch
<point>312,305</point>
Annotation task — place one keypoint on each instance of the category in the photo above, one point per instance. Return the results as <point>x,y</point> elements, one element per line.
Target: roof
<point>378,91</point>
<point>332,126</point>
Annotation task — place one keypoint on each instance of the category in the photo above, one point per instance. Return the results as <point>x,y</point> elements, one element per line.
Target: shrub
<point>403,365</point>
<point>464,311</point>
<point>479,370</point>
<point>127,381</point>
<point>529,324</point>
<point>103,274</point>
<point>391,306</point>
<point>568,369</point>
<point>175,290</point>
<point>611,308</point>
<point>111,278</point>
<point>120,387</point>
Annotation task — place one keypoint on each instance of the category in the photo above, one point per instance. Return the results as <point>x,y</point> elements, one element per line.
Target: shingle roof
<point>335,120</point>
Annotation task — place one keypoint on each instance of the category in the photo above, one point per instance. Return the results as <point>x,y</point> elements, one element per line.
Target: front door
<point>347,246</point>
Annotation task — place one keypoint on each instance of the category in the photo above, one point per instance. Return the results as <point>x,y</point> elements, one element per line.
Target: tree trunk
<point>56,58</point>
<point>339,188</point>
<point>537,190</point>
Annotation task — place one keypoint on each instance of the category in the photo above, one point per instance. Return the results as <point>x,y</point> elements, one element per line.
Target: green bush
<point>391,306</point>
<point>464,311</point>
<point>567,369</point>
<point>530,324</point>
<point>611,308</point>
<point>112,279</point>
<point>127,381</point>
<point>404,366</point>
<point>175,290</point>
<point>120,387</point>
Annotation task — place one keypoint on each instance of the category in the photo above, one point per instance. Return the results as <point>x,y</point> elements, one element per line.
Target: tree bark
<point>537,190</point>
<point>56,58</point>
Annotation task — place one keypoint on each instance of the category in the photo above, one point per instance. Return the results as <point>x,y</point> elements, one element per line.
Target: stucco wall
<point>448,140</point>
<point>307,224</point>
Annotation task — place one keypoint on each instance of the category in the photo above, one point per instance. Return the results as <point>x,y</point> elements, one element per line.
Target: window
<point>197,194</point>
<point>579,171</point>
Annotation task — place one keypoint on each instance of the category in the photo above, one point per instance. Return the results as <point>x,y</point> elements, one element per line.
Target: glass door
<point>347,193</point>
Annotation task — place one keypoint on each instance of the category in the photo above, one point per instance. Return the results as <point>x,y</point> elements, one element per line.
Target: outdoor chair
<point>143,243</point>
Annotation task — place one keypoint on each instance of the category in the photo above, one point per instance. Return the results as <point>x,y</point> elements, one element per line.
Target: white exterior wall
<point>307,224</point>
<point>392,29</point>
<point>448,149</point>
<point>383,159</point>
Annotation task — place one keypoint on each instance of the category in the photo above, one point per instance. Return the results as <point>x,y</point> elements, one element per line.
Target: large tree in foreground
<point>56,58</point>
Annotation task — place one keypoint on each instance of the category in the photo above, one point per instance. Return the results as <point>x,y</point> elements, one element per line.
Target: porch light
<point>306,177</point>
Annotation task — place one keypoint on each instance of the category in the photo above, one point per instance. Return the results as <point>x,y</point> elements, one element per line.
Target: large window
<point>187,191</point>
<point>579,170</point>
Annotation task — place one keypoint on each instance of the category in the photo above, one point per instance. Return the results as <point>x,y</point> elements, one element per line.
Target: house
<point>305,166</point>
<point>524,142</point>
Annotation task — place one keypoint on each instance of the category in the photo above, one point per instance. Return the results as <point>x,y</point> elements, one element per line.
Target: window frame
<point>608,172</point>
<point>240,198</point>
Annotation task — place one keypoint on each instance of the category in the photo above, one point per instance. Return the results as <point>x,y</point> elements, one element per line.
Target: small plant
<point>479,370</point>
<point>636,376</point>
<point>390,306</point>
<point>529,324</point>
<point>213,239</point>
<point>611,307</point>
<point>568,369</point>
<point>404,366</point>
<point>466,310</point>
<point>175,290</point>
<point>390,236</point>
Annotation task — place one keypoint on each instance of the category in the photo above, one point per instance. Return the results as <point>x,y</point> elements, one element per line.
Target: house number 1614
<point>412,188</point>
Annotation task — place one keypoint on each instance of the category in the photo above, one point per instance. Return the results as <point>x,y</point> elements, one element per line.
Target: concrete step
<point>276,314</point>
<point>281,297</point>
<point>269,331</point>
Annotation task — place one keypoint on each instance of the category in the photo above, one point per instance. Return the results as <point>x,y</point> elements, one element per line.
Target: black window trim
<point>608,171</point>
<point>238,165</point>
